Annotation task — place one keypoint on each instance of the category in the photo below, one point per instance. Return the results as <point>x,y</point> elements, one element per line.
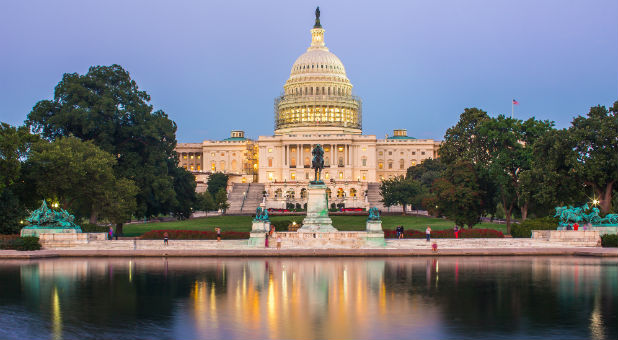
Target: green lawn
<point>347,223</point>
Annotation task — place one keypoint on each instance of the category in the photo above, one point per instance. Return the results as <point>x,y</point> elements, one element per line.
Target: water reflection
<point>310,298</point>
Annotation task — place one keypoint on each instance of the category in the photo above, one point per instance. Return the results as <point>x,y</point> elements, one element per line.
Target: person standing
<point>428,233</point>
<point>266,240</point>
<point>575,226</point>
<point>218,230</point>
<point>401,232</point>
<point>397,232</point>
<point>166,237</point>
<point>110,233</point>
<point>456,231</point>
<point>278,242</point>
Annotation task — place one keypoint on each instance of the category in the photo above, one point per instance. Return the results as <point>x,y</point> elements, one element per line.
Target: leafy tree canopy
<point>105,106</point>
<point>216,182</point>
<point>401,191</point>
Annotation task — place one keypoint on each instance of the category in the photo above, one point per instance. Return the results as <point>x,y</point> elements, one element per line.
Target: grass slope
<point>343,223</point>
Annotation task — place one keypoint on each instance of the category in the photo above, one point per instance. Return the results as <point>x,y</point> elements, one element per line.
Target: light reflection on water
<point>310,298</point>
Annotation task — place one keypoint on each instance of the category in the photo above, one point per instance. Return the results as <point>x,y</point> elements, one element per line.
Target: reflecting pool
<point>309,298</point>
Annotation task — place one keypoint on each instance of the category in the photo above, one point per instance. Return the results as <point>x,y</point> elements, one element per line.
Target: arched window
<point>402,164</point>
<point>278,193</point>
<point>307,162</point>
<point>340,193</point>
<point>290,193</point>
<point>380,165</point>
<point>352,192</point>
<point>303,193</point>
<point>213,166</point>
<point>234,165</point>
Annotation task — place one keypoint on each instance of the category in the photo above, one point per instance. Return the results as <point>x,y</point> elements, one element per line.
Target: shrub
<point>609,240</point>
<point>16,242</point>
<point>194,235</point>
<point>448,233</point>
<point>281,225</point>
<point>93,228</point>
<point>525,228</point>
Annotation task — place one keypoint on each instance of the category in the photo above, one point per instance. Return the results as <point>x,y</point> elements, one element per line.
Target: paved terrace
<point>406,247</point>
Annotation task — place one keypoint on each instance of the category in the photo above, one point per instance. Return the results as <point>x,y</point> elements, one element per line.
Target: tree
<point>596,150</point>
<point>510,144</point>
<point>400,191</point>
<point>15,144</point>
<point>205,202</point>
<point>184,186</point>
<point>457,194</point>
<point>105,106</point>
<point>465,142</point>
<point>80,175</point>
<point>221,200</point>
<point>427,172</point>
<point>216,182</point>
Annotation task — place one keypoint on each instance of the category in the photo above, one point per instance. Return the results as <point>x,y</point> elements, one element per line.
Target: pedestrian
<point>397,232</point>
<point>166,237</point>
<point>428,233</point>
<point>401,232</point>
<point>266,240</point>
<point>271,230</point>
<point>278,242</point>
<point>218,230</point>
<point>434,247</point>
<point>110,233</point>
<point>456,231</point>
<point>575,226</point>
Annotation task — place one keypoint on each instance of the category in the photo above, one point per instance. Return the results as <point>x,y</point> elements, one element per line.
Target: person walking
<point>401,232</point>
<point>266,240</point>
<point>428,233</point>
<point>278,242</point>
<point>218,230</point>
<point>456,231</point>
<point>397,232</point>
<point>110,233</point>
<point>166,237</point>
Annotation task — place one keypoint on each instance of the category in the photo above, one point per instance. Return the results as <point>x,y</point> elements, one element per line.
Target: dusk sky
<point>214,66</point>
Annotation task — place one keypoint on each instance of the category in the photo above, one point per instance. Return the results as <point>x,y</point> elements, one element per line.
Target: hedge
<point>93,228</point>
<point>609,240</point>
<point>194,235</point>
<point>525,228</point>
<point>16,242</point>
<point>447,233</point>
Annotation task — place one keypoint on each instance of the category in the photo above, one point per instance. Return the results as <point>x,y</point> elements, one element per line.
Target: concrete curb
<point>272,252</point>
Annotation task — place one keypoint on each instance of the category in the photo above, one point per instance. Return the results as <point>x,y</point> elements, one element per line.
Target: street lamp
<point>595,201</point>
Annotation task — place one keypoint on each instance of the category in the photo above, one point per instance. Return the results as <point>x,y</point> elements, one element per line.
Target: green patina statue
<point>48,220</point>
<point>569,215</point>
<point>374,214</point>
<point>261,215</point>
<point>318,163</point>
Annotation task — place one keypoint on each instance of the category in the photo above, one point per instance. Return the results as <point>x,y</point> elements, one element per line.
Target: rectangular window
<point>423,153</point>
<point>380,165</point>
<point>191,156</point>
<point>270,162</point>
<point>390,165</point>
<point>199,156</point>
<point>199,168</point>
<point>340,174</point>
<point>212,154</point>
<point>364,160</point>
<point>293,176</point>
<point>306,175</point>
<point>184,156</point>
<point>270,150</point>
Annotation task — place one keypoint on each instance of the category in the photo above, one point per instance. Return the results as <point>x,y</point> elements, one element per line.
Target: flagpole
<point>512,106</point>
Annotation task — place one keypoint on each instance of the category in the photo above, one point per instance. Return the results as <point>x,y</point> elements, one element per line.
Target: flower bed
<point>194,235</point>
<point>448,233</point>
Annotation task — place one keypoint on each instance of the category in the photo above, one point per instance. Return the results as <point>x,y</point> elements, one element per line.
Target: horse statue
<point>318,162</point>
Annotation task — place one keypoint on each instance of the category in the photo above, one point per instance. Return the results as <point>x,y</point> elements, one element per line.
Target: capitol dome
<point>318,94</point>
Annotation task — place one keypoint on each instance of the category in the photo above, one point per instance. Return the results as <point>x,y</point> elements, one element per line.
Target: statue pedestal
<point>374,226</point>
<point>317,219</point>
<point>260,226</point>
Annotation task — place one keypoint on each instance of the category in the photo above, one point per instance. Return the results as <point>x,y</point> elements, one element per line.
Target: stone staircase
<point>374,198</point>
<point>244,198</point>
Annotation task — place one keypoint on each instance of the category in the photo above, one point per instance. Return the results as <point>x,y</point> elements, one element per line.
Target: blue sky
<point>214,66</point>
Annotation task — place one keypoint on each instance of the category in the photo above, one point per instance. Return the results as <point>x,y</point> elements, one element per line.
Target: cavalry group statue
<point>46,220</point>
<point>569,215</point>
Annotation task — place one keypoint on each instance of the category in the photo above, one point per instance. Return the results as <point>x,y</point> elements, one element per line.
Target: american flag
<point>515,102</point>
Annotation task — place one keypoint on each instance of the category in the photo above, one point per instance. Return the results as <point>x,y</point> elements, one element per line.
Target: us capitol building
<point>317,107</point>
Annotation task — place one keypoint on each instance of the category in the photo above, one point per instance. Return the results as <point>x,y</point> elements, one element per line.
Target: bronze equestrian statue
<point>318,163</point>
